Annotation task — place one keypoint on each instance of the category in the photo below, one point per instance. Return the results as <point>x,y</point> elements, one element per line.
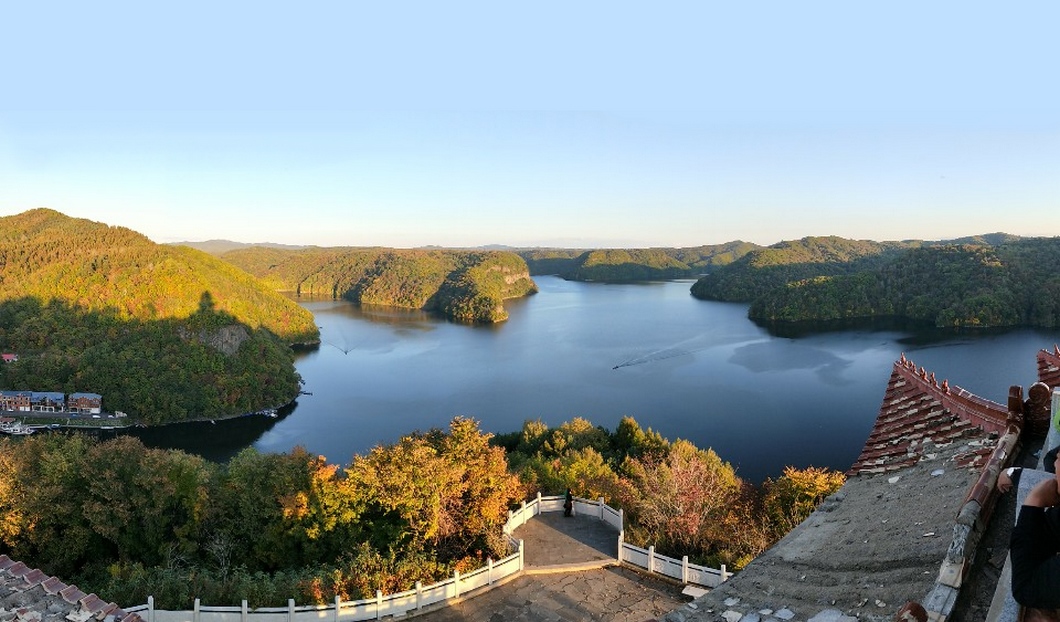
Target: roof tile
<point>918,413</point>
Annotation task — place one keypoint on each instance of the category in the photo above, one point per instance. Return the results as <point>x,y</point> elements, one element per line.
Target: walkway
<point>571,575</point>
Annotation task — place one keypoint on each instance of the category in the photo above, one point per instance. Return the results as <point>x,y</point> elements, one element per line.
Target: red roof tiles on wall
<point>1049,367</point>
<point>36,592</point>
<point>918,413</point>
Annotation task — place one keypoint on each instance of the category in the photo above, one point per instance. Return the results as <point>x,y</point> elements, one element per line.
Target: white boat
<point>16,428</point>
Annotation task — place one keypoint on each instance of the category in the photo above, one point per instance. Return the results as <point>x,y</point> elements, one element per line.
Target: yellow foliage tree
<point>791,498</point>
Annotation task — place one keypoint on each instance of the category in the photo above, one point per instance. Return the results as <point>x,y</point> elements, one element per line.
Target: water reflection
<point>684,367</point>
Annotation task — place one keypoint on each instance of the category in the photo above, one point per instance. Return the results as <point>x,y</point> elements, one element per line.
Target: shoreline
<point>38,420</point>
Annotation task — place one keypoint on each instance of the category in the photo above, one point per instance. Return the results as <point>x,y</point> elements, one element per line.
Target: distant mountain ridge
<point>220,247</point>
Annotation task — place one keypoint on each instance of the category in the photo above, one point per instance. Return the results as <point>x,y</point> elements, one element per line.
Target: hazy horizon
<point>552,246</point>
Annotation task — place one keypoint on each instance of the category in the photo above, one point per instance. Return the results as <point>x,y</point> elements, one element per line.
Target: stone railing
<point>458,585</point>
<point>393,605</point>
<point>643,559</point>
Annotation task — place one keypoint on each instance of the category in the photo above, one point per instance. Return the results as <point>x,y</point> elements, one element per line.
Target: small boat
<point>16,429</point>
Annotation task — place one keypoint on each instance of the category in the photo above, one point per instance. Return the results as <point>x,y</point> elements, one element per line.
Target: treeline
<point>762,271</point>
<point>682,499</point>
<point>207,365</point>
<point>162,333</point>
<point>988,281</point>
<point>52,257</point>
<point>639,264</point>
<point>128,522</point>
<point>468,286</point>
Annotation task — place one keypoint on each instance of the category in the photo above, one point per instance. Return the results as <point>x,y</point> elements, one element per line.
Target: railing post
<point>338,605</point>
<point>520,554</point>
<point>243,611</point>
<point>600,507</point>
<point>684,569</point>
<point>724,574</point>
<point>651,559</point>
<point>378,604</point>
<point>538,509</point>
<point>621,519</point>
<point>456,582</point>
<point>620,543</point>
<point>150,609</point>
<point>419,594</point>
<point>290,610</point>
<point>489,571</point>
<point>195,611</point>
<point>522,513</point>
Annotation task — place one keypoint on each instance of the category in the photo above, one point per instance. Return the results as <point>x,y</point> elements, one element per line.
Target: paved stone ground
<point>552,539</point>
<point>553,593</point>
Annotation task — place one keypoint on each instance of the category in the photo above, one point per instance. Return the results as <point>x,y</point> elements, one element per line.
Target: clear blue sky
<point>567,124</point>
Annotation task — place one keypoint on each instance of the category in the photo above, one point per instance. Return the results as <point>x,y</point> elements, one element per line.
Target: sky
<point>591,124</point>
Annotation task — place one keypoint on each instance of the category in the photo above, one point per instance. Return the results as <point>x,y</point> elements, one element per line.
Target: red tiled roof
<point>1049,367</point>
<point>918,414</point>
<point>37,594</point>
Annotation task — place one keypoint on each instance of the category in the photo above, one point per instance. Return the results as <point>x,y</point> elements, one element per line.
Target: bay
<point>686,368</point>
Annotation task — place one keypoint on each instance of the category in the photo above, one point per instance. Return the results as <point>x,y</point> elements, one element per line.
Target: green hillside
<point>760,272</point>
<point>163,333</point>
<point>638,264</point>
<point>468,286</point>
<point>1012,284</point>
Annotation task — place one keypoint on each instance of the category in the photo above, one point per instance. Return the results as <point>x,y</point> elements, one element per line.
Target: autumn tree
<point>791,498</point>
<point>680,502</point>
<point>449,491</point>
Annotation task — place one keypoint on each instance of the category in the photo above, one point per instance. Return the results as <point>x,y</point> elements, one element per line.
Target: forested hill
<point>984,281</point>
<point>163,333</point>
<point>469,286</point>
<point>763,270</point>
<point>638,264</point>
<point>49,256</point>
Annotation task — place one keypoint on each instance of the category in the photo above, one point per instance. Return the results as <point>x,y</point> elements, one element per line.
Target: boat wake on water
<point>654,356</point>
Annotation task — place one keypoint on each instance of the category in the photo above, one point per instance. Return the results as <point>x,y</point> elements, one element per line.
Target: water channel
<point>684,367</point>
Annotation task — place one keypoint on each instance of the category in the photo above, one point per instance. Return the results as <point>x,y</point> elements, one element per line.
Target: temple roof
<point>1049,367</point>
<point>919,415</point>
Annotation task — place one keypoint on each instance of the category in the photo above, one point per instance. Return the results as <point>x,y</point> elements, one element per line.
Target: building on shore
<point>51,402</point>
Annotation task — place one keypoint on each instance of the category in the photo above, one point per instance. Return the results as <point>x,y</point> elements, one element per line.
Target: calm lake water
<point>684,367</point>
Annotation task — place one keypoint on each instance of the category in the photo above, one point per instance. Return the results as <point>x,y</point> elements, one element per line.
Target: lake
<point>684,367</point>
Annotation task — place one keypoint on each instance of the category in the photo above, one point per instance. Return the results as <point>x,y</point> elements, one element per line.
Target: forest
<point>467,286</point>
<point>983,282</point>
<point>162,333</point>
<point>629,265</point>
<point>142,522</point>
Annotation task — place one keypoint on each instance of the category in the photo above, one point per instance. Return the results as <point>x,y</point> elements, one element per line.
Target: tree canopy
<point>128,522</point>
<point>469,286</point>
<point>162,333</point>
<point>985,281</point>
<point>638,264</point>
